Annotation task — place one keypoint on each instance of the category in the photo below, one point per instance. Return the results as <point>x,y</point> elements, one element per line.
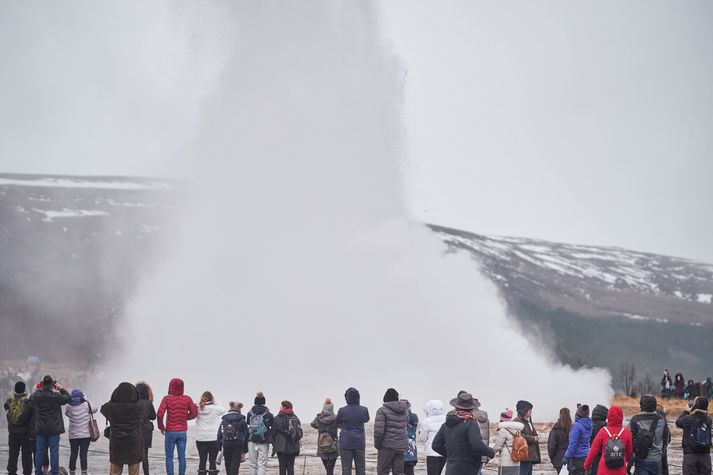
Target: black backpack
<point>614,450</point>
<point>230,431</point>
<point>699,435</point>
<point>645,439</point>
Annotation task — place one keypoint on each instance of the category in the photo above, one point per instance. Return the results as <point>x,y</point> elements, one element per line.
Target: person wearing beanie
<point>614,429</point>
<point>260,428</point>
<point>524,415</point>
<point>79,412</point>
<point>696,456</point>
<point>558,440</point>
<point>599,420</point>
<point>648,457</point>
<point>18,413</point>
<point>49,424</point>
<point>390,433</point>
<point>352,437</point>
<point>430,426</point>
<point>579,436</point>
<point>178,409</point>
<point>505,435</point>
<point>232,437</point>
<point>327,438</point>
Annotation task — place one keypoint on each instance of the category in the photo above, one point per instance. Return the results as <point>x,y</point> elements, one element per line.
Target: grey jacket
<point>390,426</point>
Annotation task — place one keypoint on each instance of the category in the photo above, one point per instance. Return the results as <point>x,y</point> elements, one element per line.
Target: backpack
<point>257,427</point>
<point>614,450</point>
<point>519,452</point>
<point>325,443</point>
<point>645,440</point>
<point>699,435</point>
<point>17,405</point>
<point>294,429</point>
<point>230,431</point>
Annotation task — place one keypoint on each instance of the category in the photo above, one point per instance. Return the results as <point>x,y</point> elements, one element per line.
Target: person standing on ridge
<point>606,440</point>
<point>352,438</point>
<point>430,426</point>
<point>179,409</point>
<point>666,385</point>
<point>678,385</point>
<point>579,437</point>
<point>696,438</point>
<point>390,434</point>
<point>259,427</point>
<point>524,415</point>
<point>558,440</point>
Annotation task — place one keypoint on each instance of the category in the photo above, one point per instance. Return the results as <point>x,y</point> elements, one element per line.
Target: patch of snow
<point>80,183</point>
<point>679,294</point>
<point>51,215</point>
<point>704,298</point>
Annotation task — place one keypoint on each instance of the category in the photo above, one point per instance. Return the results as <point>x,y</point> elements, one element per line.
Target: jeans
<point>176,439</point>
<point>232,459</point>
<point>390,461</point>
<point>329,465</point>
<point>44,441</point>
<point>258,458</point>
<point>359,458</point>
<point>525,468</point>
<point>643,467</point>
<point>287,463</point>
<point>434,465</point>
<point>78,447</point>
<point>207,451</point>
<point>17,443</point>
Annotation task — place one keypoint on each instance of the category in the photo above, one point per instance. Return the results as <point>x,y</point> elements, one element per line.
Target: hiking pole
<point>304,466</point>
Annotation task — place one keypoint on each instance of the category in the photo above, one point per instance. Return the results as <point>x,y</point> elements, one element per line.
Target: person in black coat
<point>233,437</point>
<point>47,404</point>
<point>146,400</point>
<point>286,436</point>
<point>18,428</point>
<point>558,441</point>
<point>696,460</point>
<point>599,420</point>
<point>459,440</point>
<point>352,438</point>
<point>126,441</point>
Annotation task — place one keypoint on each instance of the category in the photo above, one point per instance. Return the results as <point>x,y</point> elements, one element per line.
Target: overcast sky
<point>586,122</point>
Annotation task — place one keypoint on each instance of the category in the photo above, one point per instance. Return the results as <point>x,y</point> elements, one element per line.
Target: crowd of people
<point>457,441</point>
<point>679,388</point>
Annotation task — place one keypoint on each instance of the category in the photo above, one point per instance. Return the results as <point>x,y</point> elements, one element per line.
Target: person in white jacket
<point>507,429</point>
<point>428,429</point>
<point>207,424</point>
<point>79,412</point>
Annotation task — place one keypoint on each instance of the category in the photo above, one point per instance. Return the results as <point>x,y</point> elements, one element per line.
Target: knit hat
<point>328,406</point>
<point>391,395</point>
<point>260,399</point>
<point>20,388</point>
<point>647,403</point>
<point>522,407</point>
<point>48,382</point>
<point>701,403</point>
<point>506,415</point>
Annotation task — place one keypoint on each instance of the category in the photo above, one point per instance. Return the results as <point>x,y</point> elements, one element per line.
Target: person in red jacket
<point>613,429</point>
<point>179,409</point>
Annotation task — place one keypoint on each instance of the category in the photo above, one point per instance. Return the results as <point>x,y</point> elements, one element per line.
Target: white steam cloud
<point>297,270</point>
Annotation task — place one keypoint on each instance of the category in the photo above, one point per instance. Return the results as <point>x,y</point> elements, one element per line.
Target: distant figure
<point>524,415</point>
<point>390,434</point>
<point>459,439</point>
<point>678,385</point>
<point>327,436</point>
<point>125,415</point>
<point>430,426</point>
<point>146,400</point>
<point>47,403</point>
<point>578,447</point>
<point>233,438</point>
<point>599,420</point>
<point>411,454</point>
<point>259,426</point>
<point>692,390</point>
<point>179,409</point>
<point>558,440</point>
<point>614,439</point>
<point>707,388</point>
<point>79,412</point>
<point>507,430</point>
<point>696,438</point>
<point>648,431</point>
<point>666,385</point>
<point>208,421</point>
<point>18,410</point>
<point>287,434</point>
<point>352,439</point>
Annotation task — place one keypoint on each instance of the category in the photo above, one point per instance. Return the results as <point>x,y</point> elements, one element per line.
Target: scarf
<point>465,415</point>
<point>285,410</point>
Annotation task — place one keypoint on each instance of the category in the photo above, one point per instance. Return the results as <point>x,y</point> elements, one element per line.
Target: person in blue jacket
<point>352,439</point>
<point>579,437</point>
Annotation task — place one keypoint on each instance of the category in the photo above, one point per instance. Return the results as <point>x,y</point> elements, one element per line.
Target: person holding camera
<point>47,403</point>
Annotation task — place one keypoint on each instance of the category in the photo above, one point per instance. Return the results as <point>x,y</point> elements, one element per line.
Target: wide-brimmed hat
<point>464,402</point>
<point>48,382</point>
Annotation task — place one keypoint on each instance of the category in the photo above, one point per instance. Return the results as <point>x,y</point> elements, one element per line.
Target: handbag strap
<point>91,414</point>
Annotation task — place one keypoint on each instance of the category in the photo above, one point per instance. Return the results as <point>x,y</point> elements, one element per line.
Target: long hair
<point>145,391</point>
<point>206,397</point>
<point>565,420</point>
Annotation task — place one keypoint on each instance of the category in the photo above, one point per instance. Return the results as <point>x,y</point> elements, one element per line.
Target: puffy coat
<point>579,436</point>
<point>208,421</point>
<point>47,405</point>
<point>79,417</point>
<point>267,419</point>
<point>390,426</point>
<point>430,426</point>
<point>530,433</point>
<point>241,425</point>
<point>615,417</point>
<point>503,442</point>
<point>351,419</point>
<point>460,442</point>
<point>282,442</point>
<point>125,415</point>
<point>180,408</point>
<point>557,444</point>
<point>326,422</point>
<point>684,421</point>
<point>644,420</point>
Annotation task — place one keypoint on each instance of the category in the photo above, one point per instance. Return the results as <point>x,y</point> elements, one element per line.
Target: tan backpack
<point>519,451</point>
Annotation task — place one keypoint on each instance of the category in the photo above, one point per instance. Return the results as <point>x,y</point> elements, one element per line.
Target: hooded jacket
<point>390,426</point>
<point>125,415</point>
<point>79,416</point>
<point>179,409</point>
<point>685,421</point>
<point>326,422</point>
<point>460,442</point>
<point>351,419</point>
<point>241,424</point>
<point>282,443</point>
<point>599,445</point>
<point>579,436</point>
<point>47,404</point>
<point>267,419</point>
<point>430,426</point>
<point>503,442</point>
<point>208,421</point>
